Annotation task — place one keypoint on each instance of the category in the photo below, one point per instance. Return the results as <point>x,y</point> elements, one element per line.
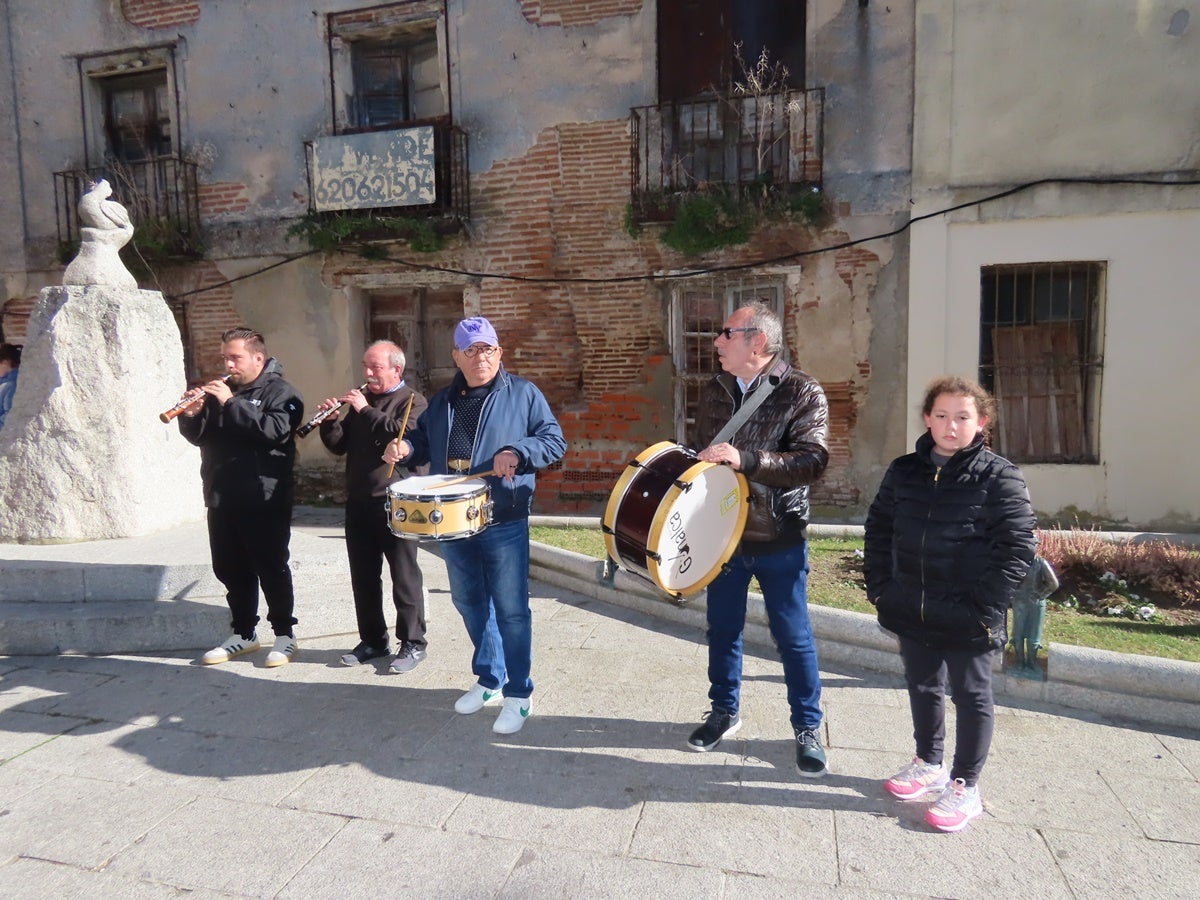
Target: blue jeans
<point>783,577</point>
<point>489,584</point>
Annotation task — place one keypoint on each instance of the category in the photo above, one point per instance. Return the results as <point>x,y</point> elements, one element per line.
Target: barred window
<point>1040,355</point>
<point>698,310</point>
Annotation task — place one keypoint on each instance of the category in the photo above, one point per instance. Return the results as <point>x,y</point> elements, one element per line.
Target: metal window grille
<point>698,311</point>
<point>749,144</point>
<point>1040,356</point>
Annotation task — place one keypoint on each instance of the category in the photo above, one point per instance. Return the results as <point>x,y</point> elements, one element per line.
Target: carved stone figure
<point>105,231</point>
<point>1029,617</point>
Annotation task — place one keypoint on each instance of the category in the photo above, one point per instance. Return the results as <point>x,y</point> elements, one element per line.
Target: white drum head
<point>429,486</point>
<point>696,529</point>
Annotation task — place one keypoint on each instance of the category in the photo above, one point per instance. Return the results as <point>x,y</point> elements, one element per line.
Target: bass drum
<point>675,520</point>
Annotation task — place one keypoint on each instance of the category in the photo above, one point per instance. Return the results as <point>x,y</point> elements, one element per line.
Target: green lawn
<point>836,581</point>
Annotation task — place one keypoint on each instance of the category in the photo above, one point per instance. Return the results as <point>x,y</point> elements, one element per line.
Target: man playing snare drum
<point>781,450</point>
<point>489,421</point>
<point>373,421</point>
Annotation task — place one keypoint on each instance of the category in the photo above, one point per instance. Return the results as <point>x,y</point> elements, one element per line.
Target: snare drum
<point>421,507</point>
<point>674,519</point>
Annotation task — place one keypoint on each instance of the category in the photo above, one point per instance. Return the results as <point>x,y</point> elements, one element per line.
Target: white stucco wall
<point>1013,90</point>
<point>1147,474</point>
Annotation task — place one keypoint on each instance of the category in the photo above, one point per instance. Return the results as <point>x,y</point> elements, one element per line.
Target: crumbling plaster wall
<point>513,78</point>
<point>546,107</point>
<point>862,55</point>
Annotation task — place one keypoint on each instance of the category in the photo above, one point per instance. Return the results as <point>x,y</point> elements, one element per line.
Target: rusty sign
<point>367,171</point>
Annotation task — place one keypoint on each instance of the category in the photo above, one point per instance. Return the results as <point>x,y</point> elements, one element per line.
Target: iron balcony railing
<point>745,142</point>
<point>160,194</point>
<point>391,171</point>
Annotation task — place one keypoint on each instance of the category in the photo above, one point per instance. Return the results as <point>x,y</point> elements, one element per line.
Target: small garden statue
<point>1029,617</point>
<point>105,230</point>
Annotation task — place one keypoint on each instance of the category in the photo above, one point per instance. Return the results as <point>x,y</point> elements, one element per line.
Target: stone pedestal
<point>83,455</point>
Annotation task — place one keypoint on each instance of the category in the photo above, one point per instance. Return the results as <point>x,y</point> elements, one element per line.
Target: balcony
<point>160,195</point>
<point>418,171</point>
<point>758,146</point>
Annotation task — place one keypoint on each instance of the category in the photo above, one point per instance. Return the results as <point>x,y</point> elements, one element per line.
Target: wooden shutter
<point>695,47</point>
<point>1039,391</point>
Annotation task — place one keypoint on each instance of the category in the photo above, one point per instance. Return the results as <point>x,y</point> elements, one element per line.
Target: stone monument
<point>83,454</point>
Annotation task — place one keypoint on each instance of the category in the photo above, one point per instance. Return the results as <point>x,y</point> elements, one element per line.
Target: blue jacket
<point>515,417</point>
<point>8,387</point>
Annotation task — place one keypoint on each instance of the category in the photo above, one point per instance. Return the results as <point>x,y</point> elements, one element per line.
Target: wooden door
<point>422,322</point>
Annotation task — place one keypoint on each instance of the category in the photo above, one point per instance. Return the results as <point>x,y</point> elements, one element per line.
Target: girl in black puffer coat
<point>949,537</point>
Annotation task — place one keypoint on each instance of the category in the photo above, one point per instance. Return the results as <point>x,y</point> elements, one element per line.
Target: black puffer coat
<point>947,547</point>
<point>783,449</point>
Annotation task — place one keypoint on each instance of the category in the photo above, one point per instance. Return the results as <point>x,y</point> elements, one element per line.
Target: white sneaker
<point>282,652</point>
<point>235,645</point>
<point>512,717</point>
<point>476,699</point>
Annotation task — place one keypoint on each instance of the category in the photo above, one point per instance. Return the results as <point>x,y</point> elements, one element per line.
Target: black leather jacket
<point>783,449</point>
<point>946,548</point>
<point>247,447</point>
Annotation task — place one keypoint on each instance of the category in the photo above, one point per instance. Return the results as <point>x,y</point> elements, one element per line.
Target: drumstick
<point>460,479</point>
<point>400,434</point>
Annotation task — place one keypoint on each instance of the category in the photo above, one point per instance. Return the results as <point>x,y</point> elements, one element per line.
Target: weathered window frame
<point>1041,356</point>
<point>390,29</point>
<point>697,311</point>
<point>96,69</point>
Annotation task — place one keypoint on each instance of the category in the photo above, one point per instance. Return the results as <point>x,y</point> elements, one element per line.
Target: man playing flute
<point>244,426</point>
<point>375,418</point>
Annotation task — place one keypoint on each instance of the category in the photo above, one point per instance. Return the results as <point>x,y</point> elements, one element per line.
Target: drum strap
<point>766,385</point>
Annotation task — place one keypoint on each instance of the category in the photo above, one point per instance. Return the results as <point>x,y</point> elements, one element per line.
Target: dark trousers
<point>969,674</point>
<point>250,549</point>
<point>368,544</point>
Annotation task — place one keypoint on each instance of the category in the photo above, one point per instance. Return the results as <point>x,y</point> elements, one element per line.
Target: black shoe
<point>810,755</point>
<point>408,657</point>
<point>718,723</point>
<point>363,652</point>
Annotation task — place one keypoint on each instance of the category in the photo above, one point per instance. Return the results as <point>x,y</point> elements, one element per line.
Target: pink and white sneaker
<point>957,806</point>
<point>917,779</point>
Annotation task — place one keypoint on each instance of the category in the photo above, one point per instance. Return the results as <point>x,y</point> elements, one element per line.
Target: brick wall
<point>209,314</point>
<point>577,12</point>
<point>599,351</point>
<point>160,13</point>
<point>16,313</point>
<point>222,197</point>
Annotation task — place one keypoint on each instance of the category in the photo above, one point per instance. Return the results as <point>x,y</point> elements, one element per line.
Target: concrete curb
<point>1125,686</point>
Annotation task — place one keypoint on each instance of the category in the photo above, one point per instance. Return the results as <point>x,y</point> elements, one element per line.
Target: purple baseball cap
<point>476,330</point>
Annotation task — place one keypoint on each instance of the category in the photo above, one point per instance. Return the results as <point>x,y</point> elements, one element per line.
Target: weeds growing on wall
<point>717,216</point>
<point>354,232</point>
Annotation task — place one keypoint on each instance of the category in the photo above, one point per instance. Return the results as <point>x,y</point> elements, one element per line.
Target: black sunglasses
<point>730,332</point>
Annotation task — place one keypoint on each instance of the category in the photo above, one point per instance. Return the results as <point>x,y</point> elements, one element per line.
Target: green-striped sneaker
<point>512,717</point>
<point>476,699</point>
